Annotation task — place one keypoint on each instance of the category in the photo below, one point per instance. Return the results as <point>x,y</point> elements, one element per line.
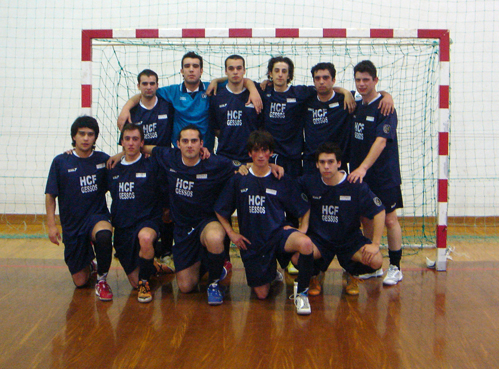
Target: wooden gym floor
<point>429,320</point>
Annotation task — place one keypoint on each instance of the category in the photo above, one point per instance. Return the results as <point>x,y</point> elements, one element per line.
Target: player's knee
<point>80,279</point>
<point>306,247</point>
<point>261,292</point>
<point>185,286</point>
<point>391,221</point>
<point>146,239</point>
<point>376,262</point>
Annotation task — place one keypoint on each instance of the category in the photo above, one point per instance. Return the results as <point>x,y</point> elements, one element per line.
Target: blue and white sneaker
<point>302,304</point>
<point>215,294</point>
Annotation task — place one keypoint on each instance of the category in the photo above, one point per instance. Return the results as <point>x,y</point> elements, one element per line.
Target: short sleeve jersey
<point>235,120</point>
<point>261,204</point>
<point>80,185</point>
<point>157,122</point>
<point>190,108</point>
<point>134,190</point>
<point>368,124</point>
<point>193,190</point>
<point>283,114</point>
<point>326,122</point>
<point>335,211</point>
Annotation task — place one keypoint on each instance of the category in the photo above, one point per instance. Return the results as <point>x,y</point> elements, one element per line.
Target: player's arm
<point>386,104</point>
<point>370,250</point>
<point>349,103</point>
<point>373,155</point>
<point>304,222</point>
<point>254,95</point>
<point>124,116</point>
<point>238,239</point>
<point>53,231</point>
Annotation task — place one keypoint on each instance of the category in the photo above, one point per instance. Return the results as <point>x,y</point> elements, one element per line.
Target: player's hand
<point>124,118</point>
<point>113,160</point>
<point>277,170</point>
<point>204,153</point>
<point>54,235</point>
<point>386,105</point>
<point>212,88</point>
<point>369,251</point>
<point>256,100</point>
<point>357,174</point>
<point>243,169</point>
<point>349,103</point>
<point>265,83</point>
<point>239,240</point>
<point>69,152</point>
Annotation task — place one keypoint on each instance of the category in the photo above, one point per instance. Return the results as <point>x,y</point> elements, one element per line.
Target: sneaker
<point>302,304</point>
<point>162,269</point>
<point>292,269</point>
<point>103,291</point>
<point>278,277</point>
<point>393,276</point>
<point>168,264</point>
<point>375,274</point>
<point>215,294</point>
<point>316,284</point>
<point>145,294</point>
<point>93,269</point>
<point>352,287</point>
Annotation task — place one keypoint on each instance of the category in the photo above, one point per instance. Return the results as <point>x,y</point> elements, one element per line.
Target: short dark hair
<point>365,66</point>
<point>260,139</point>
<point>133,127</point>
<point>282,59</point>
<point>85,121</point>
<point>147,73</point>
<point>324,66</point>
<point>235,57</point>
<point>328,148</point>
<point>193,55</point>
<point>190,126</point>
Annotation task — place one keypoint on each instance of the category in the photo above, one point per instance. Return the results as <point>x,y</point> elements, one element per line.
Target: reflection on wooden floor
<point>430,320</point>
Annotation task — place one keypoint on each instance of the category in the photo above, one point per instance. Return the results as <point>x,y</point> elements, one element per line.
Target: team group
<point>304,166</point>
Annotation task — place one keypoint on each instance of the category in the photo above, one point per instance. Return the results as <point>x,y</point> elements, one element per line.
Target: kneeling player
<point>135,211</point>
<point>79,181</point>
<point>261,202</point>
<point>336,206</point>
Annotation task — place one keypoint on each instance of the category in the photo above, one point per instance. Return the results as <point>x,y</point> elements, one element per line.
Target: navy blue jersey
<point>80,185</point>
<point>193,190</point>
<point>157,122</point>
<point>261,203</point>
<point>283,114</point>
<point>134,189</point>
<point>335,211</point>
<point>235,120</point>
<point>326,122</point>
<point>369,124</point>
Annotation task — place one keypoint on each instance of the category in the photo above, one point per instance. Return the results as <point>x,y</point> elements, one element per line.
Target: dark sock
<point>103,250</point>
<point>146,268</point>
<point>395,257</point>
<point>317,268</point>
<point>215,266</point>
<point>306,268</point>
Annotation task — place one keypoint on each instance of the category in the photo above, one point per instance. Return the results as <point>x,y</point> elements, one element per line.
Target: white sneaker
<point>393,276</point>
<point>375,274</point>
<point>302,304</point>
<point>278,277</point>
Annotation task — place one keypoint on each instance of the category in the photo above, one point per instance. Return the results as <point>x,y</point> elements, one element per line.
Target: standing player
<point>233,120</point>
<point>189,100</point>
<point>194,185</point>
<point>375,160</point>
<point>336,207</point>
<point>261,202</point>
<point>79,182</point>
<point>135,211</point>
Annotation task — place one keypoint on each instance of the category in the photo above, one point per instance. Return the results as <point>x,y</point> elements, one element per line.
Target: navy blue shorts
<point>261,268</point>
<point>127,246</point>
<point>292,167</point>
<point>390,197</point>
<point>187,249</point>
<point>78,250</point>
<point>344,253</point>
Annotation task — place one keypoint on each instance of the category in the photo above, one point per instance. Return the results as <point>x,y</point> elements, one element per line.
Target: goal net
<point>408,68</point>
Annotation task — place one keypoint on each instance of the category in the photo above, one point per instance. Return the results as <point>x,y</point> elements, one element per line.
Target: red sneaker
<point>103,291</point>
